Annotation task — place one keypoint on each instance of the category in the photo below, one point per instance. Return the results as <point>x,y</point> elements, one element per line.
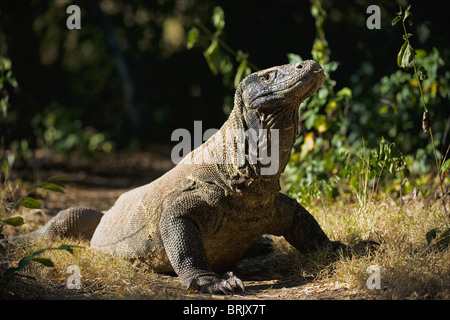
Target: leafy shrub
<point>55,129</point>
<point>371,139</point>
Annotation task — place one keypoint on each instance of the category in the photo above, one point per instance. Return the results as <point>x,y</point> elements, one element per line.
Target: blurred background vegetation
<point>136,71</point>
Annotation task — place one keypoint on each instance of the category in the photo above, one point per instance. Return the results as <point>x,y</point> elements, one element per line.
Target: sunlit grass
<point>410,267</point>
<point>102,276</point>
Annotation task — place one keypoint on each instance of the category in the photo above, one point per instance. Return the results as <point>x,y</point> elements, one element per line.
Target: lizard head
<point>282,86</point>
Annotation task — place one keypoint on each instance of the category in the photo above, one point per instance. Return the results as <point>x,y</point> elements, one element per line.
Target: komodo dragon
<point>204,215</point>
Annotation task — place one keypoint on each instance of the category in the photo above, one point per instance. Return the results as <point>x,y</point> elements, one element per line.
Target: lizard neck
<point>285,122</point>
<point>257,146</point>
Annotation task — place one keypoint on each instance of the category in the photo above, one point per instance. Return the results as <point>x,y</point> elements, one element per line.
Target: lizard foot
<point>207,284</point>
<point>361,248</point>
<point>337,246</point>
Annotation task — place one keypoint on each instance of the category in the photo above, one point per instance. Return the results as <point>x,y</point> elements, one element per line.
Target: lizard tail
<point>75,222</point>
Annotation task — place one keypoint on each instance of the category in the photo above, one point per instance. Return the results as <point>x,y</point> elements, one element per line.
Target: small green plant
<point>439,236</point>
<point>9,273</point>
<point>219,55</point>
<point>371,167</point>
<point>9,206</point>
<point>56,131</point>
<point>6,78</point>
<point>321,150</point>
<point>406,59</point>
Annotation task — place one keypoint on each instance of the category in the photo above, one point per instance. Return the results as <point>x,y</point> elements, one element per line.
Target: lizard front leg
<point>302,231</point>
<point>182,237</point>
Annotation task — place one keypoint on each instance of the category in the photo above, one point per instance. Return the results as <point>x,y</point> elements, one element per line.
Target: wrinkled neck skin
<point>273,149</point>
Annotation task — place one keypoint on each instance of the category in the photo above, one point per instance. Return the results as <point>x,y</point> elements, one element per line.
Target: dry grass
<point>102,276</point>
<point>410,268</point>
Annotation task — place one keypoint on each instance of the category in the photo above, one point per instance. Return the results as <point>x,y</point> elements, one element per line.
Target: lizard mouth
<point>315,79</point>
<point>312,81</point>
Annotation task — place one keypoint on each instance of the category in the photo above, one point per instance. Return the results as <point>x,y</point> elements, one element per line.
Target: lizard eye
<point>267,77</point>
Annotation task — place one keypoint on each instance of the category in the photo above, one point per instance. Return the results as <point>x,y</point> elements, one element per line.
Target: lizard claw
<point>231,284</point>
<point>193,285</point>
<point>227,285</point>
<point>223,286</point>
<point>234,281</point>
<point>215,287</point>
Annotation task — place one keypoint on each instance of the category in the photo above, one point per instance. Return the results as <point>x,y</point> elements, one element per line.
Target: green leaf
<point>354,183</point>
<point>46,262</point>
<point>407,13</point>
<point>59,179</point>
<point>9,273</point>
<point>446,165</point>
<point>33,257</point>
<point>30,203</point>
<point>66,247</point>
<point>38,252</point>
<point>48,186</point>
<point>12,81</point>
<point>396,19</point>
<point>240,56</point>
<point>218,18</point>
<point>51,187</point>
<point>320,121</point>
<point>407,36</point>
<point>293,58</point>
<point>33,186</point>
<point>430,235</point>
<point>405,55</point>
<point>213,56</point>
<point>3,107</point>
<point>5,63</point>
<point>422,73</point>
<point>384,109</point>
<point>24,262</point>
<point>401,53</point>
<point>14,221</point>
<point>225,65</point>
<point>241,73</point>
<point>345,92</point>
<point>331,67</point>
<point>444,238</point>
<point>192,38</point>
